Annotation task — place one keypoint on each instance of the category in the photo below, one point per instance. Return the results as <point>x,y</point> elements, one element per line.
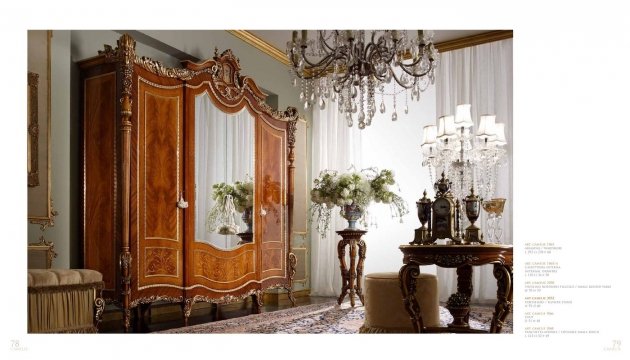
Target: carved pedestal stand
<point>349,276</point>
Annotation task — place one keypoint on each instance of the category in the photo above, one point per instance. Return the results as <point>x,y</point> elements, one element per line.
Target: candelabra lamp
<point>473,210</point>
<point>423,233</point>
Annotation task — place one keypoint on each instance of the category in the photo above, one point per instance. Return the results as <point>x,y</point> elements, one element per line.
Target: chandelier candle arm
<point>354,63</point>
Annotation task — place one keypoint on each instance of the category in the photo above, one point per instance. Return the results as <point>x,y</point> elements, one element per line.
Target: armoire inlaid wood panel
<point>138,211</point>
<point>160,182</point>
<point>271,189</point>
<point>224,269</point>
<point>99,176</point>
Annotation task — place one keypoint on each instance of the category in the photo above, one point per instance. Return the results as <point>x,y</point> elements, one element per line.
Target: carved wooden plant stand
<point>352,275</point>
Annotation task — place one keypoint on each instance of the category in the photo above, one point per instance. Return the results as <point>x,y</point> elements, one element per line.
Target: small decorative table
<point>462,257</point>
<point>351,238</point>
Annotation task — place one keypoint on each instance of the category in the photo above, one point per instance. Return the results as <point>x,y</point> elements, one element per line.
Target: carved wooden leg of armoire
<point>257,302</point>
<point>187,309</point>
<point>289,286</point>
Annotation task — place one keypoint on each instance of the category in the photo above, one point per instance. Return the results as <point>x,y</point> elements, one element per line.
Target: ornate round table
<point>463,258</point>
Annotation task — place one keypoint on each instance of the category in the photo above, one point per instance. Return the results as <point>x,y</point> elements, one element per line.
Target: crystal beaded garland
<point>357,65</point>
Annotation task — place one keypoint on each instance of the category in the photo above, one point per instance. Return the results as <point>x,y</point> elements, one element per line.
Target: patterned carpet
<point>324,318</point>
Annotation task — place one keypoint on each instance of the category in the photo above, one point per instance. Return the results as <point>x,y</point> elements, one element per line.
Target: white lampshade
<point>429,135</point>
<point>499,139</point>
<point>463,117</point>
<point>446,127</point>
<point>429,150</point>
<point>486,128</point>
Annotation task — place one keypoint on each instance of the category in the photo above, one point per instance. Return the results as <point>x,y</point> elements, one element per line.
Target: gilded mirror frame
<point>40,208</point>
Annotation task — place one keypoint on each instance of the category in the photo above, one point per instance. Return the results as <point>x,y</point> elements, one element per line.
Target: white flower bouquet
<point>357,188</point>
<point>228,200</point>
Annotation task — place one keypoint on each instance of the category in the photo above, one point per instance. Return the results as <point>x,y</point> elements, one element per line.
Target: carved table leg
<point>464,284</point>
<point>362,250</point>
<point>352,271</point>
<point>503,274</point>
<point>341,252</point>
<point>408,276</point>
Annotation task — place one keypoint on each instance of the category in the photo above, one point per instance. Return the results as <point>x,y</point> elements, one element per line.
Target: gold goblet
<point>494,208</point>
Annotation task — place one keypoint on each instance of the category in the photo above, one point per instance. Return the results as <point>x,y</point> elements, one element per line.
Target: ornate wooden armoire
<point>138,176</point>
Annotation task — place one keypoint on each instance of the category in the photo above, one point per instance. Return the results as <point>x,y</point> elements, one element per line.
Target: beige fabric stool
<point>384,308</point>
<point>64,300</point>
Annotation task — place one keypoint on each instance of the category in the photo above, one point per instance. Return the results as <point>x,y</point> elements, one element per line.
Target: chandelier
<point>354,67</point>
<point>470,159</point>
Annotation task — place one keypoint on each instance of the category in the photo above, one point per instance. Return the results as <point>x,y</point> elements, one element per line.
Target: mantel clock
<point>444,212</point>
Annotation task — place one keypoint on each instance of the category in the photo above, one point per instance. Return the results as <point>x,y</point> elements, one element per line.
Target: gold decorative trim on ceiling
<point>261,45</point>
<point>445,46</point>
<point>474,40</point>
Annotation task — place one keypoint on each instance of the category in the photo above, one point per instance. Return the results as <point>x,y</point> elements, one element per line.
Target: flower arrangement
<point>358,188</point>
<point>458,300</point>
<point>228,200</point>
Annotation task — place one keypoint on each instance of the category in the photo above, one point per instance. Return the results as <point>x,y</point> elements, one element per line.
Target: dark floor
<point>168,316</point>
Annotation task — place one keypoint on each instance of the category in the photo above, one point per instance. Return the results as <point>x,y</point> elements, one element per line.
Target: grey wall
<point>60,150</point>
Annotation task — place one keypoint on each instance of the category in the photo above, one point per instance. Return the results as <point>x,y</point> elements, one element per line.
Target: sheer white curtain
<point>224,149</point>
<point>335,147</point>
<point>482,76</point>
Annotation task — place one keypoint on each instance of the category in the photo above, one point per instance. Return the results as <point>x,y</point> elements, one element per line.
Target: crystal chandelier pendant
<point>352,65</point>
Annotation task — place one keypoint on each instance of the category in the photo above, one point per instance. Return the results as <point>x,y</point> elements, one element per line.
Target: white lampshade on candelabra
<point>467,161</point>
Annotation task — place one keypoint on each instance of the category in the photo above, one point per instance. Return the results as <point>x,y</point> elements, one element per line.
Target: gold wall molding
<point>473,40</point>
<point>261,45</point>
<point>445,46</point>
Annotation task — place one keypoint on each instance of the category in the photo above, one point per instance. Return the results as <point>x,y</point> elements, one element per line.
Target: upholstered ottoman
<point>64,300</point>
<point>384,308</point>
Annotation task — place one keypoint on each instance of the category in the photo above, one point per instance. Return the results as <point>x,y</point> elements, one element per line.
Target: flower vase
<point>458,305</point>
<point>247,219</point>
<point>460,314</point>
<point>352,213</point>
